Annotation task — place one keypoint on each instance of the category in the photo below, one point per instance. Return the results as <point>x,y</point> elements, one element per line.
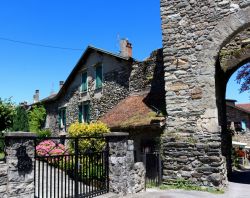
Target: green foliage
<point>37,117</point>
<point>89,168</point>
<point>20,120</point>
<point>7,111</point>
<point>44,133</point>
<point>1,143</point>
<point>96,129</point>
<point>2,155</point>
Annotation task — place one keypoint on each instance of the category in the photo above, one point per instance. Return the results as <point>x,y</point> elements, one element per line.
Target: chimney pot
<point>36,96</point>
<point>126,48</point>
<point>61,83</point>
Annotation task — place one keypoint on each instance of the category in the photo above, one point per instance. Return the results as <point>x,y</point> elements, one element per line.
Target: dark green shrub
<point>37,117</point>
<point>43,133</point>
<point>20,120</point>
<point>7,111</point>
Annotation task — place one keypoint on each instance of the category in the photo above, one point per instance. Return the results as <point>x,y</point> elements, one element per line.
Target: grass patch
<point>186,185</point>
<point>190,187</point>
<point>151,185</point>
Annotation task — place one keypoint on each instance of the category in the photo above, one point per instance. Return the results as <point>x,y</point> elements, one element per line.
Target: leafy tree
<point>37,117</point>
<point>20,120</point>
<point>7,111</point>
<point>243,78</point>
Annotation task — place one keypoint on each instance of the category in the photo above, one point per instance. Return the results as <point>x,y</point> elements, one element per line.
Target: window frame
<point>84,113</point>
<point>81,88</point>
<point>62,118</point>
<point>101,84</point>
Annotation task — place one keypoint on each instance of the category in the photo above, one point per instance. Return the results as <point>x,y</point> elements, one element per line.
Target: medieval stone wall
<point>148,74</point>
<point>193,33</point>
<point>235,50</point>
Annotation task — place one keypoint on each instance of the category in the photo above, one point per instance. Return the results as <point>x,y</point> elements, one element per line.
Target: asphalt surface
<point>239,187</point>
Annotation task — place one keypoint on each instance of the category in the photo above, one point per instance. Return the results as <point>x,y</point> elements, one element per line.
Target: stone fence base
<point>125,176</point>
<point>17,174</point>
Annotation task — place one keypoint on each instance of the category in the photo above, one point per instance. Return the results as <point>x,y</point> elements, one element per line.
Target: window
<point>244,125</point>
<point>98,83</point>
<point>84,85</point>
<point>84,113</point>
<point>62,118</point>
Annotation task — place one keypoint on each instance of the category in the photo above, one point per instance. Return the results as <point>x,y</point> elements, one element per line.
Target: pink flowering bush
<point>50,148</point>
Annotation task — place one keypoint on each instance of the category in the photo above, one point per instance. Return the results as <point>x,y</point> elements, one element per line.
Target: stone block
<point>177,86</point>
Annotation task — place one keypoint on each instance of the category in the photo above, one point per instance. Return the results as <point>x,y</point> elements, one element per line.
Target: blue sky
<point>233,91</point>
<point>72,24</point>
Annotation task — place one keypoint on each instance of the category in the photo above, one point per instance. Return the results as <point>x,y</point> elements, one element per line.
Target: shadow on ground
<point>241,176</point>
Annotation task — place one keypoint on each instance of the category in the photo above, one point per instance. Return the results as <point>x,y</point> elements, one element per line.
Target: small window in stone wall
<point>99,76</point>
<point>84,85</point>
<point>62,118</point>
<point>84,113</point>
<point>244,125</point>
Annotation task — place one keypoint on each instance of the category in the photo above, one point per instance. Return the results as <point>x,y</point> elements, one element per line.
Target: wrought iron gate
<point>152,162</point>
<point>73,173</point>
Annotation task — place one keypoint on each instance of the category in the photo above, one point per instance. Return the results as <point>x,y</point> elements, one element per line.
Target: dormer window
<point>84,85</point>
<point>98,79</point>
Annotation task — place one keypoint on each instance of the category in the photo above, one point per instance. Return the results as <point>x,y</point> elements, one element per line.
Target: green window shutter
<point>64,117</point>
<point>86,113</point>
<point>84,81</point>
<point>59,118</point>
<point>87,109</point>
<point>99,76</point>
<point>80,114</point>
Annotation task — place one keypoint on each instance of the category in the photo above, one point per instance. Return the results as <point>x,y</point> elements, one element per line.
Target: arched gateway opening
<point>232,56</point>
<point>195,144</point>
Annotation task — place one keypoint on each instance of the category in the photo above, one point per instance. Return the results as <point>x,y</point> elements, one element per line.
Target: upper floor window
<point>98,83</point>
<point>84,113</point>
<point>62,118</point>
<point>84,85</point>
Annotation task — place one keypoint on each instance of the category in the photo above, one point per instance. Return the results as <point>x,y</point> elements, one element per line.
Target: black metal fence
<point>72,173</point>
<point>153,164</point>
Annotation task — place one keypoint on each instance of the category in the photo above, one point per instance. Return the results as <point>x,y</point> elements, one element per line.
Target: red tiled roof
<point>132,111</point>
<point>245,106</point>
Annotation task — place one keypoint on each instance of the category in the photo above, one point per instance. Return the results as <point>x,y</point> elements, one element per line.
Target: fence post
<point>20,152</point>
<point>76,167</point>
<point>125,176</point>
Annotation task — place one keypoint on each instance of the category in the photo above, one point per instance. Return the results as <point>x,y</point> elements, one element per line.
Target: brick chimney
<point>36,96</point>
<point>126,48</point>
<point>61,84</point>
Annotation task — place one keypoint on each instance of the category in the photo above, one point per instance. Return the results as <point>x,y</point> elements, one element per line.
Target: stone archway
<point>194,32</point>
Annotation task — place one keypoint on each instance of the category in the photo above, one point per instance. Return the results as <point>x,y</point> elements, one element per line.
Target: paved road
<point>239,187</point>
